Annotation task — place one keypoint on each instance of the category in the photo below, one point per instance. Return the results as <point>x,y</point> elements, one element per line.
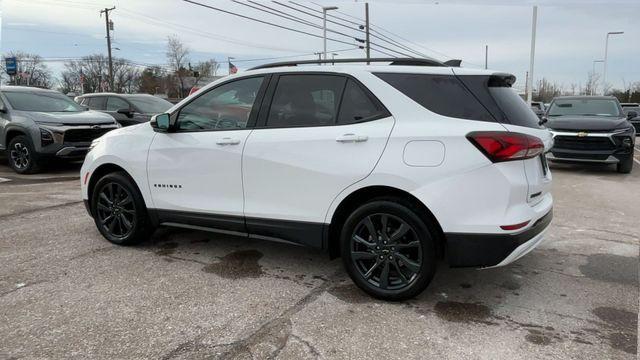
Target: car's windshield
<point>584,107</point>
<point>41,101</point>
<point>150,104</point>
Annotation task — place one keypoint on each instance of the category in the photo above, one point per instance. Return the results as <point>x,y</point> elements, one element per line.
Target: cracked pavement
<point>65,292</point>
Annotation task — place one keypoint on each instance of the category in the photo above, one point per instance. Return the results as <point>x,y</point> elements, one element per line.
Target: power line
<point>387,40</point>
<point>164,24</point>
<point>297,19</point>
<point>263,21</point>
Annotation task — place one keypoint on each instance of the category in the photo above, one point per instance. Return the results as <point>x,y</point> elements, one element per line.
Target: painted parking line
<point>4,180</point>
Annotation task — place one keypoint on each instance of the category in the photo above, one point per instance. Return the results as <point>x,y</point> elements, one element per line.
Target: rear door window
<point>116,103</point>
<point>443,94</point>
<point>357,105</point>
<point>96,103</point>
<point>305,100</point>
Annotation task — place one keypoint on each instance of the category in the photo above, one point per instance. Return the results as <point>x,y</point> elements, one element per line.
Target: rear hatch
<point>496,95</point>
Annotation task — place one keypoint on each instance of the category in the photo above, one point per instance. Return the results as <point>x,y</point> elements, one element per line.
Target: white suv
<point>389,166</point>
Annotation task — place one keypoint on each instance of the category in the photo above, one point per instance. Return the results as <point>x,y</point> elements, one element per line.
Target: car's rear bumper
<point>488,250</point>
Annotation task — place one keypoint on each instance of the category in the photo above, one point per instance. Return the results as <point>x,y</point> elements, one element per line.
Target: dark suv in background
<point>591,129</point>
<point>36,124</point>
<point>127,109</point>
<point>630,108</point>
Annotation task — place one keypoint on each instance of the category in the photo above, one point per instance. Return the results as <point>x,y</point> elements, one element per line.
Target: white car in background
<point>388,166</point>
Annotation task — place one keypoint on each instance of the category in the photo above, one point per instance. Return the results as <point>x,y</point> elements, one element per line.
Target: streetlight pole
<point>324,27</point>
<point>606,50</point>
<point>534,20</point>
<point>593,72</point>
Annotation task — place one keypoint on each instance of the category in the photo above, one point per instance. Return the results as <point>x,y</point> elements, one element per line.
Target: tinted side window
<point>305,100</point>
<point>96,103</point>
<point>227,106</point>
<point>442,94</point>
<point>115,104</point>
<point>356,105</point>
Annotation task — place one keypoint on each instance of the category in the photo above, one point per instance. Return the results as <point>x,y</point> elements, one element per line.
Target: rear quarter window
<point>443,94</point>
<point>501,99</point>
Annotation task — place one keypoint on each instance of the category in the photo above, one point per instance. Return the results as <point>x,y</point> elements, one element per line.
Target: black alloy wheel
<point>116,210</point>
<point>119,210</point>
<point>386,251</point>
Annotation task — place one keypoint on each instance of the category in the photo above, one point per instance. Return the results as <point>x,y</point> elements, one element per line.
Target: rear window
<point>443,94</point>
<point>501,100</point>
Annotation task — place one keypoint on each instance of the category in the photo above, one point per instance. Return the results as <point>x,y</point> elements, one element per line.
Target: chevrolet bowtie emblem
<point>582,134</point>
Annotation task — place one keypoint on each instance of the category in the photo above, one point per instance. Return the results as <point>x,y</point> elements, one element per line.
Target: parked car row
<point>39,124</point>
<point>127,109</point>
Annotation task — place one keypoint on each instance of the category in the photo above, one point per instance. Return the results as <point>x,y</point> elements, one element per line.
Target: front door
<point>195,171</point>
<point>311,143</point>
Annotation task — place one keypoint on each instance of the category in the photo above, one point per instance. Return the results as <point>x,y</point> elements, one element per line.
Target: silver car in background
<point>38,124</point>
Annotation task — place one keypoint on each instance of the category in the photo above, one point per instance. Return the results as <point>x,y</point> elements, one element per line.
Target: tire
<point>625,166</point>
<point>408,257</point>
<point>22,155</point>
<point>119,210</point>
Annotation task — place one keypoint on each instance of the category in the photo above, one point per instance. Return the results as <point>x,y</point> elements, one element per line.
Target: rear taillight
<point>501,146</point>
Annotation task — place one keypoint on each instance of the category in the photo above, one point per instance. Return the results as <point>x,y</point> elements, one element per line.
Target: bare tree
<point>30,70</point>
<point>205,69</point>
<point>91,74</point>
<point>547,90</point>
<point>178,58</point>
<point>591,86</point>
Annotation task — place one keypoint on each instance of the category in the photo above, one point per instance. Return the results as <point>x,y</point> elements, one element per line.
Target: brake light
<point>501,146</point>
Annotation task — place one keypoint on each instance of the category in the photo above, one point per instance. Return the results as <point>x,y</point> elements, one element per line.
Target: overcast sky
<point>571,34</point>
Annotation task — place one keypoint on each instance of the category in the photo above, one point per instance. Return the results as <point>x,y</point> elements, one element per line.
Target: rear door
<point>317,134</point>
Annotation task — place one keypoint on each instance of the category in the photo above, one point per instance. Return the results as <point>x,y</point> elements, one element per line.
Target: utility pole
<point>366,25</point>
<point>534,20</point>
<point>486,56</point>
<point>109,27</point>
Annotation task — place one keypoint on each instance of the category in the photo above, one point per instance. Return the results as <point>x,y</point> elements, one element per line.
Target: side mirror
<point>631,115</point>
<point>160,122</point>
<point>127,112</point>
<point>3,108</point>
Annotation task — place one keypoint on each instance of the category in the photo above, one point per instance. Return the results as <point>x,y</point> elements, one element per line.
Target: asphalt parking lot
<point>65,292</point>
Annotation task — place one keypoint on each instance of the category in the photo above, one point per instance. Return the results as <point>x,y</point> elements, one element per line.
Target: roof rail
<point>391,61</point>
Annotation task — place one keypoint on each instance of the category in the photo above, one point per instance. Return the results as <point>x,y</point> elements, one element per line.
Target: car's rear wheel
<point>119,210</point>
<point>625,166</point>
<point>22,155</point>
<point>388,250</point>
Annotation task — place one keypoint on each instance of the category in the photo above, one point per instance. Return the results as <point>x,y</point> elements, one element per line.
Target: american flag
<point>232,68</point>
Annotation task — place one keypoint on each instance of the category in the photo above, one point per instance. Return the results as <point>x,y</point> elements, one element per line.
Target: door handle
<point>351,138</point>
<point>228,141</point>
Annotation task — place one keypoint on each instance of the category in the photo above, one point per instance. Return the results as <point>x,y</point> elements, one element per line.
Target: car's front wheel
<point>625,166</point>
<point>22,156</point>
<point>119,210</point>
<point>388,250</point>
